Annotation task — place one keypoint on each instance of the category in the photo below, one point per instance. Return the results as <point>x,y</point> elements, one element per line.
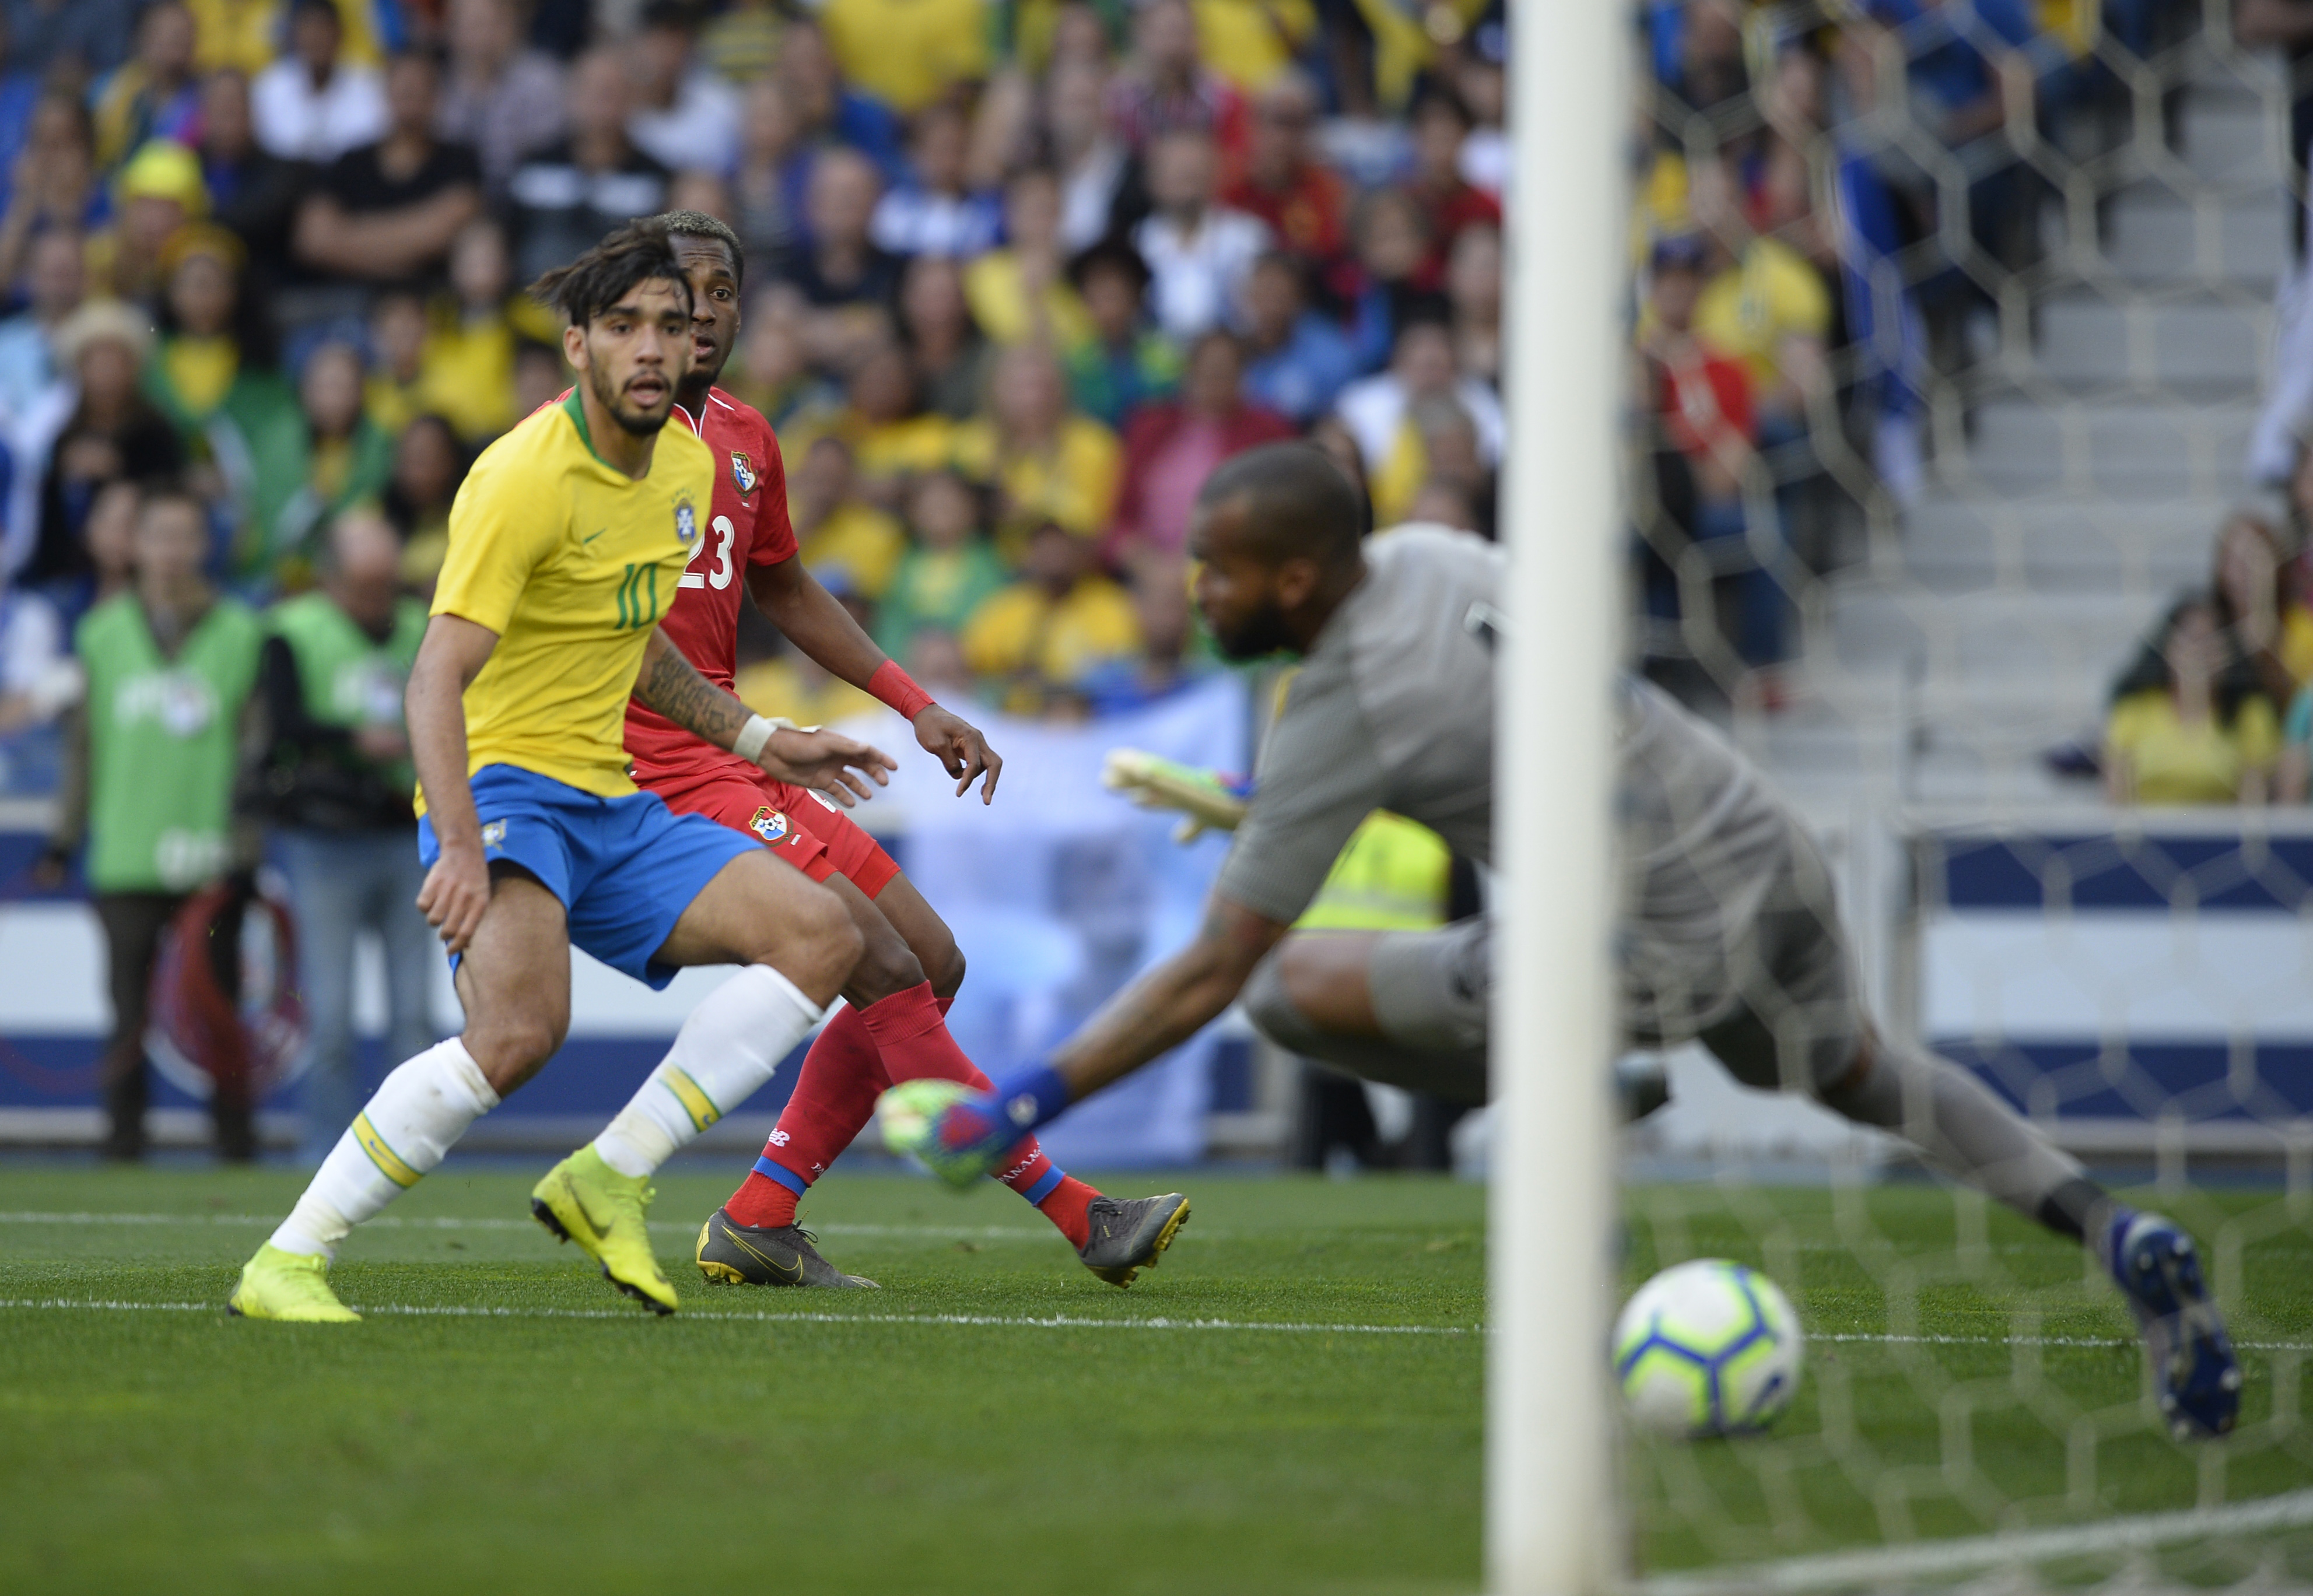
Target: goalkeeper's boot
<point>2160,1272</point>
<point>289,1286</point>
<point>769,1255</point>
<point>584,1200</point>
<point>956,1133</point>
<point>1130,1235</point>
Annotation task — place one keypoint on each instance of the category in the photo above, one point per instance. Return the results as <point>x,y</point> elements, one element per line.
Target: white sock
<point>400,1135</point>
<point>730,1047</point>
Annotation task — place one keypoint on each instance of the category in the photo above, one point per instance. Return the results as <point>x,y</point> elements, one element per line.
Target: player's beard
<point>636,422</point>
<point>1258,636</point>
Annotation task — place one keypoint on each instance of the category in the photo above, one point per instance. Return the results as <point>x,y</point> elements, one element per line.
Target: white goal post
<point>1551,1502</point>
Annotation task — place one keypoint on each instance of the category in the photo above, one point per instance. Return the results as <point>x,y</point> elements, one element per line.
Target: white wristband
<point>749,744</point>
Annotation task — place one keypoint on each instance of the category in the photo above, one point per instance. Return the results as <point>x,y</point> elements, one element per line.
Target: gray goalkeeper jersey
<point>1393,708</point>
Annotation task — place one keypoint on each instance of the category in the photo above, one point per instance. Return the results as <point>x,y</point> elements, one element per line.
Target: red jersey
<point>747,526</point>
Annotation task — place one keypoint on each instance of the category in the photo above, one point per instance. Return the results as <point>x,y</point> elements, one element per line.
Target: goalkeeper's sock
<point>398,1137</point>
<point>731,1045</point>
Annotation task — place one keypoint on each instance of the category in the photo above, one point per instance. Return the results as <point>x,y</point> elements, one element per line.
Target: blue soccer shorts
<point>624,868</point>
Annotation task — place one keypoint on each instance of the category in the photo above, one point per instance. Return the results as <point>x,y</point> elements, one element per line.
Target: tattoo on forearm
<point>672,685</point>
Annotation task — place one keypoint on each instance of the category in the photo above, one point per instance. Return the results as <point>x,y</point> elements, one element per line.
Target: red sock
<point>834,1096</point>
<point>910,1029</point>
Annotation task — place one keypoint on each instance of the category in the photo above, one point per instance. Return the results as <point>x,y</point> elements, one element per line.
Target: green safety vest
<point>1391,875</point>
<point>163,743</point>
<point>350,678</point>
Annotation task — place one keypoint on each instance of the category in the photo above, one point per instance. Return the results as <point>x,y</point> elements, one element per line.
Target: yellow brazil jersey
<point>571,563</point>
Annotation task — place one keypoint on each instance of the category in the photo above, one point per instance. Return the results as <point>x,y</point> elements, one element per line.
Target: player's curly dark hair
<point>609,272</point>
<point>699,224</point>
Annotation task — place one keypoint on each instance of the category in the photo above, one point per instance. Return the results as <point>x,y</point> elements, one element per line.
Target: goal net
<point>1963,391</point>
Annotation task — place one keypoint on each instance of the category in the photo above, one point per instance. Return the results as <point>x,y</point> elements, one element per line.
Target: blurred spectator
<point>694,189</point>
<point>1704,401</point>
<point>942,207</point>
<point>1090,161</point>
<point>1170,449</point>
<point>1440,124</point>
<point>334,781</point>
<point>151,94</point>
<point>55,282</point>
<point>1392,238</point>
<point>1485,159</point>
<point>1445,503</point>
<point>213,377</point>
<point>347,459</point>
<point>157,193</point>
<point>1197,251</point>
<point>239,36</point>
<point>683,114</point>
<point>150,767</point>
<point>2187,726</point>
<point>773,371</point>
<point>500,98</point>
<point>91,34</point>
<point>1697,49</point>
<point>1474,289</point>
<point>540,376</point>
<point>1379,412</point>
<point>1021,290</point>
<point>252,194</point>
<point>794,685</point>
<point>468,360</point>
<point>742,42</point>
<point>768,188</point>
<point>1126,362</point>
<point>949,570</point>
<point>1251,43</point>
<point>1454,461</point>
<point>1764,305</point>
<point>566,196</point>
<point>888,433</point>
<point>1170,652</point>
<point>908,53</point>
<point>113,433</point>
<point>1164,86</point>
<point>396,343</point>
<point>386,211</point>
<point>310,105</point>
<point>2256,592</point>
<point>841,536</point>
<point>842,275</point>
<point>826,111</point>
<point>952,360</point>
<point>108,534</point>
<point>1046,635</point>
<point>1046,461</point>
<point>53,183</point>
<point>1305,203</point>
<point>1299,360</point>
<point>428,465</point>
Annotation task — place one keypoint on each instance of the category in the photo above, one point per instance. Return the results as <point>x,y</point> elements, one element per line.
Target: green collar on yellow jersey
<point>578,416</point>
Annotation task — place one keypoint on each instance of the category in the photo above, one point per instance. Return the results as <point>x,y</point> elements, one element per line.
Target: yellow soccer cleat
<point>584,1200</point>
<point>288,1286</point>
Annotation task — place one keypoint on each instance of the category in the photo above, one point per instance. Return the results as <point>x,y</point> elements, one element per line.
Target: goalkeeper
<point>1729,932</point>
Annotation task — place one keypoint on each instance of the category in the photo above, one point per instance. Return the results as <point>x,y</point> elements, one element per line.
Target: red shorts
<point>809,832</point>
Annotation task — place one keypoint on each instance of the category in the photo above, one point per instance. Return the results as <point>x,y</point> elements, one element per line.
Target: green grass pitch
<point>545,1435</point>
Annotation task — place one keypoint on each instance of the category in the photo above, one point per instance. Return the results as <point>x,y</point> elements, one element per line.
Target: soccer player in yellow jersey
<point>566,544</point>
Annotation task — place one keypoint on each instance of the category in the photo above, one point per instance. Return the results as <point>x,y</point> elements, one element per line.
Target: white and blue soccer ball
<point>1708,1347</point>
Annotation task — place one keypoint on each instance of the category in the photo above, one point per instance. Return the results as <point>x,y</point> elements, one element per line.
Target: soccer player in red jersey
<point>893,1027</point>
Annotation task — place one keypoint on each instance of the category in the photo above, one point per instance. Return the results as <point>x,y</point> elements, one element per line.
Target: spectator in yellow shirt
<point>1037,643</point>
<point>467,363</point>
<point>793,684</point>
<point>2256,591</point>
<point>908,53</point>
<point>888,434</point>
<point>841,535</point>
<point>1022,291</point>
<point>1046,461</point>
<point>2189,724</point>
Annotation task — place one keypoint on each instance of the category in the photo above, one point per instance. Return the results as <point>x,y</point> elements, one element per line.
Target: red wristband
<point>897,689</point>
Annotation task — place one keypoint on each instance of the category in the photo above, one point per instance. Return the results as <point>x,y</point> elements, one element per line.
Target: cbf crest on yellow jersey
<point>571,563</point>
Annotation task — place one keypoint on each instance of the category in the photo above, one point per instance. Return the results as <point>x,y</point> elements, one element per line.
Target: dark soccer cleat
<point>2158,1271</point>
<point>1128,1237</point>
<point>780,1254</point>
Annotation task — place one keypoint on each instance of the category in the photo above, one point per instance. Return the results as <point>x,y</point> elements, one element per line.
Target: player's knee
<point>1268,1003</point>
<point>885,965</point>
<point>819,939</point>
<point>942,960</point>
<point>510,1048</point>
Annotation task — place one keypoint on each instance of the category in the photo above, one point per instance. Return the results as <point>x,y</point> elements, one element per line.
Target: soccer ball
<point>1708,1348</point>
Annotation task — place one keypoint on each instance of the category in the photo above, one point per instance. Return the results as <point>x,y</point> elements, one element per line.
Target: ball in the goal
<point>1708,1348</point>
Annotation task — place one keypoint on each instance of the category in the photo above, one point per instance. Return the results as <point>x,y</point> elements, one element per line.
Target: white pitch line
<point>1054,1322</point>
<point>1875,1338</point>
<point>942,1232</point>
<point>1877,1569</point>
